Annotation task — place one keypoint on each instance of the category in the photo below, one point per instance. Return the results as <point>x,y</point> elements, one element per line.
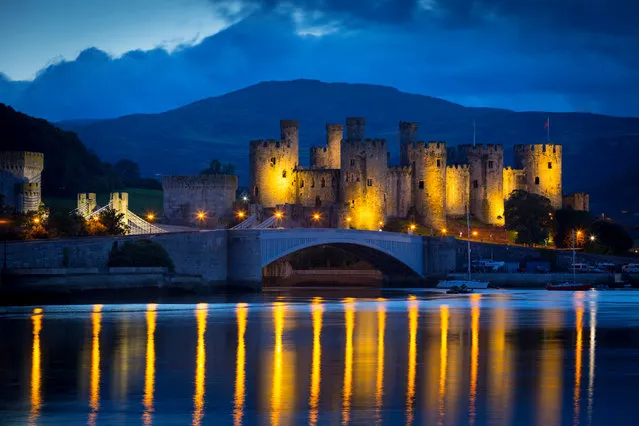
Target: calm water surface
<point>519,357</point>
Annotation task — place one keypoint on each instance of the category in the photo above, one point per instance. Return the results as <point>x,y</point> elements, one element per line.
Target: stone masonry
<point>20,179</point>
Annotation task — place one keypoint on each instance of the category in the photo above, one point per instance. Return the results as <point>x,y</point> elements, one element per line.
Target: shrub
<point>141,253</point>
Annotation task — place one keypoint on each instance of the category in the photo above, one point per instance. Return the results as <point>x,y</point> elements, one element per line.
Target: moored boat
<point>569,287</point>
<point>471,284</point>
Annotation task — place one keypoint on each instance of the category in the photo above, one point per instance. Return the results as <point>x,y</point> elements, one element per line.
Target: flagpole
<point>548,130</point>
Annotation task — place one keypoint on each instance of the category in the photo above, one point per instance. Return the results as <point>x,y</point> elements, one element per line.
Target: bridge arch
<point>389,252</point>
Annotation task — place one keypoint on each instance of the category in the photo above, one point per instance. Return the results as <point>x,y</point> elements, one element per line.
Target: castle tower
<point>486,163</point>
<point>28,197</point>
<point>364,164</point>
<point>355,128</point>
<point>428,161</point>
<point>18,168</point>
<point>407,135</point>
<point>457,189</point>
<point>334,136</point>
<point>542,165</point>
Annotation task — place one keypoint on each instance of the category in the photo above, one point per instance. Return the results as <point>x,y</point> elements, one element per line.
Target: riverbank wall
<point>523,280</point>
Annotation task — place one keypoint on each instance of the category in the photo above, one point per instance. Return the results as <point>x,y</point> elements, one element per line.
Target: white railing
<point>97,212</point>
<point>268,223</point>
<point>138,225</point>
<point>248,223</point>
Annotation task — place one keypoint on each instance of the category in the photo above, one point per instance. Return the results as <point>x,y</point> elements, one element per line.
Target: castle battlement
<point>481,149</point>
<point>198,181</point>
<point>365,143</point>
<point>458,166</point>
<point>400,170</point>
<point>433,147</point>
<point>29,188</point>
<point>540,147</point>
<point>16,161</point>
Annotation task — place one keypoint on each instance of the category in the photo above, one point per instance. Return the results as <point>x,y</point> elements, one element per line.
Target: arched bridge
<point>250,250</point>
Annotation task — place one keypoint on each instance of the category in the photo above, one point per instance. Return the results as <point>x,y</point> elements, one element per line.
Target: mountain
<point>599,151</point>
<point>69,167</point>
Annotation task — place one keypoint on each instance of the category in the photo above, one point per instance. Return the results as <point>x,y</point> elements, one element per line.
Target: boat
<point>574,285</point>
<point>468,284</point>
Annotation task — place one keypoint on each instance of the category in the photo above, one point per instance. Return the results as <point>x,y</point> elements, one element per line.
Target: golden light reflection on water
<point>149,372</point>
<point>474,356</point>
<point>443,360</point>
<point>201,313</point>
<point>579,312</point>
<point>317,312</point>
<point>241,313</point>
<point>278,387</point>
<point>550,369</point>
<point>413,313</point>
<point>94,386</point>
<point>379,382</point>
<point>349,316</point>
<point>500,375</point>
<point>591,357</point>
<point>36,367</point>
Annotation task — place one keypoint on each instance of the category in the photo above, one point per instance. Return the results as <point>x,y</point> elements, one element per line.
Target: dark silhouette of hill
<point>69,167</point>
<point>598,150</point>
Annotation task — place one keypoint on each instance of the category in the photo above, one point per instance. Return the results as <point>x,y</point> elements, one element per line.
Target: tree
<point>110,222</point>
<point>568,220</point>
<point>530,215</point>
<point>128,171</point>
<point>62,224</point>
<point>609,238</point>
<point>217,168</point>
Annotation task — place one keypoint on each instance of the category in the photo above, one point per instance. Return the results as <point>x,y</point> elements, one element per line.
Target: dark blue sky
<point>91,59</point>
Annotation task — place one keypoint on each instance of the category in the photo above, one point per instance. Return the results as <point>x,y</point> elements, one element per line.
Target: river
<point>497,357</point>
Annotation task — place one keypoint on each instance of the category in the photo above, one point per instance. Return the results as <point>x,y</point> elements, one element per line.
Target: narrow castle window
<point>550,164</point>
<point>347,177</point>
<point>439,163</point>
<point>312,183</point>
<point>283,173</point>
<point>353,203</point>
<point>421,184</point>
<point>332,182</point>
<point>475,184</point>
<point>357,179</point>
<point>256,191</point>
<point>369,182</point>
<point>352,161</point>
<point>323,183</point>
<point>302,183</point>
<point>537,180</point>
<point>318,201</point>
<point>273,161</point>
<point>490,164</point>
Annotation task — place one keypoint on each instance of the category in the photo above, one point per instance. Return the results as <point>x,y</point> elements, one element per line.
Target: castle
<point>351,177</point>
<point>20,179</point>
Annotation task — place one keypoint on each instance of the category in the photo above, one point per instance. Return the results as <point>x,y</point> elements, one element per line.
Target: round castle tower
<point>429,181</point>
<point>272,164</point>
<point>334,136</point>
<point>363,171</point>
<point>407,135</point>
<point>542,165</point>
<point>486,163</point>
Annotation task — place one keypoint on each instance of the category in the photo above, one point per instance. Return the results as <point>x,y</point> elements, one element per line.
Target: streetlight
<point>316,217</point>
<point>278,215</point>
<point>444,231</point>
<point>201,216</point>
<point>149,218</point>
<point>240,214</point>
<point>36,220</point>
<point>592,238</point>
<point>245,198</point>
<point>475,233</point>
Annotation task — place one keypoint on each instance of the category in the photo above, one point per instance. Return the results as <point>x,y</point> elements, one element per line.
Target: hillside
<point>69,167</point>
<point>599,150</point>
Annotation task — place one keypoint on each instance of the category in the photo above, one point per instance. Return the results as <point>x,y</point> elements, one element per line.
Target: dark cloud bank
<point>572,55</point>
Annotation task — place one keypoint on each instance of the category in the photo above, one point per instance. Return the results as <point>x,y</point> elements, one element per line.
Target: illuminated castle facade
<point>351,176</point>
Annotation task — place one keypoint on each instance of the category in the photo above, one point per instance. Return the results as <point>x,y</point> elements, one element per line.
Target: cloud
<point>481,53</point>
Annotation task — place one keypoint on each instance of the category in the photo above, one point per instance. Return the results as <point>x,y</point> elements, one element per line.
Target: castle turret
<point>355,128</point>
<point>20,179</point>
<point>486,164</point>
<point>457,189</point>
<point>334,135</point>
<point>364,167</point>
<point>429,181</point>
<point>407,135</point>
<point>271,174</point>
<point>542,164</point>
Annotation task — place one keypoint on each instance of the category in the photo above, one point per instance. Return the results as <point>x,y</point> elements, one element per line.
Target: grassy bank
<point>141,201</point>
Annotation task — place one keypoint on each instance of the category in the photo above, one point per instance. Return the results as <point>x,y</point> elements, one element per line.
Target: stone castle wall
<point>514,179</point>
<point>319,157</point>
<point>578,201</point>
<point>543,164</point>
<point>185,196</point>
<point>457,189</point>
<point>486,163</point>
<point>20,179</point>
<point>398,191</point>
<point>317,187</point>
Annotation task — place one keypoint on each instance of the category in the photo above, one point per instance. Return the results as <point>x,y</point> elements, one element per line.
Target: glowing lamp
<point>201,215</point>
<point>278,215</point>
<point>37,311</point>
<point>444,230</point>
<point>316,216</point>
<point>475,233</point>
<point>150,216</point>
<point>348,219</point>
<point>240,215</point>
<point>36,220</point>
<point>592,238</point>
<point>413,227</point>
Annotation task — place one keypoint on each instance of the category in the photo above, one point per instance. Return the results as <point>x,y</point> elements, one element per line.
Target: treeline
<point>69,167</point>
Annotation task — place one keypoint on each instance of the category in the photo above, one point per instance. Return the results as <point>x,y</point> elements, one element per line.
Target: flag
<point>547,123</point>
